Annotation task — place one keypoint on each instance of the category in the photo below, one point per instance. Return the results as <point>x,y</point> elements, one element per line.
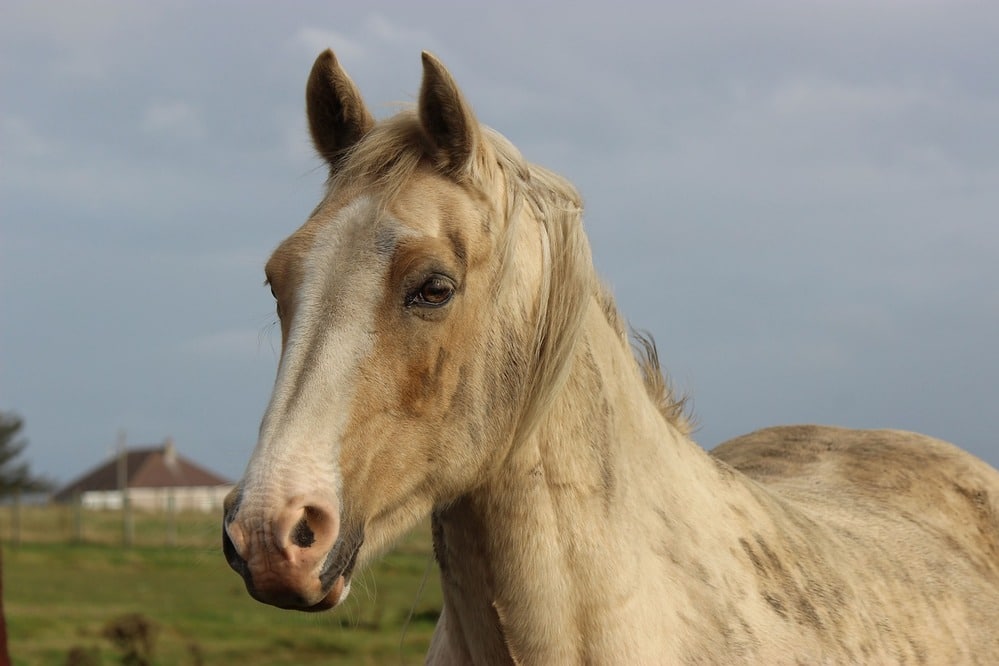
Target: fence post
<point>171,507</point>
<point>128,521</point>
<point>127,526</point>
<point>15,519</point>
<point>77,517</point>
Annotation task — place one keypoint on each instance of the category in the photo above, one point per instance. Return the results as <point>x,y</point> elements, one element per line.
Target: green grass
<point>61,596</point>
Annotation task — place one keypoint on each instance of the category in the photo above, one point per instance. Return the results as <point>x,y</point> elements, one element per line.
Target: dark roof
<point>153,467</point>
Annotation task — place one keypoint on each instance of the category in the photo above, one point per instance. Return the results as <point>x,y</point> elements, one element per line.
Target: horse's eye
<point>435,292</point>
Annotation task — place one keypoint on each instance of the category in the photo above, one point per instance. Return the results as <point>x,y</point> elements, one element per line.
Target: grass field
<point>62,597</point>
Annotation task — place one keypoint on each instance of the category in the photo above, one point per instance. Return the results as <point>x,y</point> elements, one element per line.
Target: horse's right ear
<point>338,117</point>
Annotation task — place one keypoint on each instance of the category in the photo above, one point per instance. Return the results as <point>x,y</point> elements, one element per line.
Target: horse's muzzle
<point>295,558</point>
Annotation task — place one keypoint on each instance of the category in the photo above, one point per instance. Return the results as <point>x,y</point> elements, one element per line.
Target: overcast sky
<point>799,200</point>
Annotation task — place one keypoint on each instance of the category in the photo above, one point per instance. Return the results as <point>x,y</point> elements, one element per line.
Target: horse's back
<point>886,474</point>
<point>896,505</point>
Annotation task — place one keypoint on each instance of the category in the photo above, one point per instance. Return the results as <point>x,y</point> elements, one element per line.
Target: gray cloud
<point>798,200</point>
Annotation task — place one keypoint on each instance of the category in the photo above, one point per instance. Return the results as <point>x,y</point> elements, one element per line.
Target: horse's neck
<point>605,503</point>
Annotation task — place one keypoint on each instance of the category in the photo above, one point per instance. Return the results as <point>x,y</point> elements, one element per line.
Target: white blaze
<point>330,336</point>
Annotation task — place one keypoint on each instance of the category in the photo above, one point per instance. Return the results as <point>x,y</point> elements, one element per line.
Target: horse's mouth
<point>331,586</point>
<point>336,572</point>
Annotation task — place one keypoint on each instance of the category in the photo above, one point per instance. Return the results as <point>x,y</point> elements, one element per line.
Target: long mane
<point>388,156</point>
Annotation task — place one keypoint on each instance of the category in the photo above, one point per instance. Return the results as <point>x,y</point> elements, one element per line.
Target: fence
<point>73,523</point>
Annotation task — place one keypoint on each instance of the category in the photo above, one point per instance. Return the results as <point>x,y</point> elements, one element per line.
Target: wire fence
<point>54,523</point>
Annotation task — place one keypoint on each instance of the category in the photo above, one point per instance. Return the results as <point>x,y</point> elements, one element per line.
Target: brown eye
<point>433,293</point>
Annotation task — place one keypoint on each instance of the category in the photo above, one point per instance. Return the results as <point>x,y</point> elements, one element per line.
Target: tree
<point>16,478</point>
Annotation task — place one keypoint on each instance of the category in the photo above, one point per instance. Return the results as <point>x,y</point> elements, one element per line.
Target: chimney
<point>169,453</point>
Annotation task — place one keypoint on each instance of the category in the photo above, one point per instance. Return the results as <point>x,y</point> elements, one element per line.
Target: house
<point>156,478</point>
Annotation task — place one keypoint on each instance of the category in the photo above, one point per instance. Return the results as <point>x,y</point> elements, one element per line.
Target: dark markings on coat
<point>440,547</point>
<point>779,586</point>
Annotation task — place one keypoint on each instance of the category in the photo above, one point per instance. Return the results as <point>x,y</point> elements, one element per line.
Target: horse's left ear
<point>447,119</point>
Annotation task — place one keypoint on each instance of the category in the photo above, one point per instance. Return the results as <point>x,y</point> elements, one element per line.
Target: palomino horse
<point>448,350</point>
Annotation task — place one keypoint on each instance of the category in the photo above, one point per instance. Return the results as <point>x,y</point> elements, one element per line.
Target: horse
<point>447,350</point>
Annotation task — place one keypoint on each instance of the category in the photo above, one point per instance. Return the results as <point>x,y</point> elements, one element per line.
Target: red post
<point>4,653</point>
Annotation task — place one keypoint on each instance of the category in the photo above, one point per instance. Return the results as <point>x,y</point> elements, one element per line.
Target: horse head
<point>422,332</point>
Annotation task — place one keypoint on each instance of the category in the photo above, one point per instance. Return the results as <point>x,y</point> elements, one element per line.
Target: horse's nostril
<point>302,535</point>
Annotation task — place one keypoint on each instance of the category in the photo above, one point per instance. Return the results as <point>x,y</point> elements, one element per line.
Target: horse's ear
<point>338,117</point>
<point>447,119</point>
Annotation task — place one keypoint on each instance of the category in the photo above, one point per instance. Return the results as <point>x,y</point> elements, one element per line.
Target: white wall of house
<point>195,498</point>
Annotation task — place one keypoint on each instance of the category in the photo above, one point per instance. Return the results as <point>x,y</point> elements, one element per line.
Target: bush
<point>134,635</point>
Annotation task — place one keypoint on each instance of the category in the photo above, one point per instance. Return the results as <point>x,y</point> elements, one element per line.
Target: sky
<point>799,200</point>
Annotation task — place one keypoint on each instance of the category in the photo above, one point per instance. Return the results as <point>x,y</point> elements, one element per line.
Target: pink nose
<point>284,557</point>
